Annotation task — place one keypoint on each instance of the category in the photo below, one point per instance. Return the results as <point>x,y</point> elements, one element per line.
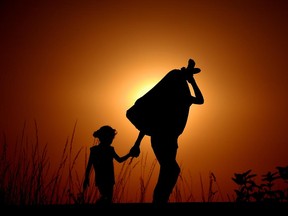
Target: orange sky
<point>86,61</point>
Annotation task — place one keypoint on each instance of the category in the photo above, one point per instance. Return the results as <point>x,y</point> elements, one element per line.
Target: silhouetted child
<point>101,157</point>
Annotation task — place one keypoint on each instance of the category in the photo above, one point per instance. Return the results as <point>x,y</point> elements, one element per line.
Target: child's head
<point>105,134</point>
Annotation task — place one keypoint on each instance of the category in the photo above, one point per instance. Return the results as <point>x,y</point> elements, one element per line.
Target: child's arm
<point>121,159</point>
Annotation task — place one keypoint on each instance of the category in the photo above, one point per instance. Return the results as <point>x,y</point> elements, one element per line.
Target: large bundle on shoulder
<point>163,109</point>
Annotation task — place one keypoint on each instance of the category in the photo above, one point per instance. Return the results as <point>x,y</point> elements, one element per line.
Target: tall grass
<point>23,176</point>
<point>26,176</point>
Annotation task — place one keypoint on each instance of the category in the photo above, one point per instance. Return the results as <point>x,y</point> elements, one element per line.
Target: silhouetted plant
<point>249,191</point>
<point>246,185</point>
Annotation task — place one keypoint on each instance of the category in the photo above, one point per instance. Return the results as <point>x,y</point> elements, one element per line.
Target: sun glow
<point>141,89</point>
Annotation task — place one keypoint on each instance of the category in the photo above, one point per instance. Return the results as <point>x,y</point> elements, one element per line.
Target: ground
<point>175,209</point>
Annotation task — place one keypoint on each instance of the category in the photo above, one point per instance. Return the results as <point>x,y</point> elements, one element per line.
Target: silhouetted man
<point>162,114</point>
